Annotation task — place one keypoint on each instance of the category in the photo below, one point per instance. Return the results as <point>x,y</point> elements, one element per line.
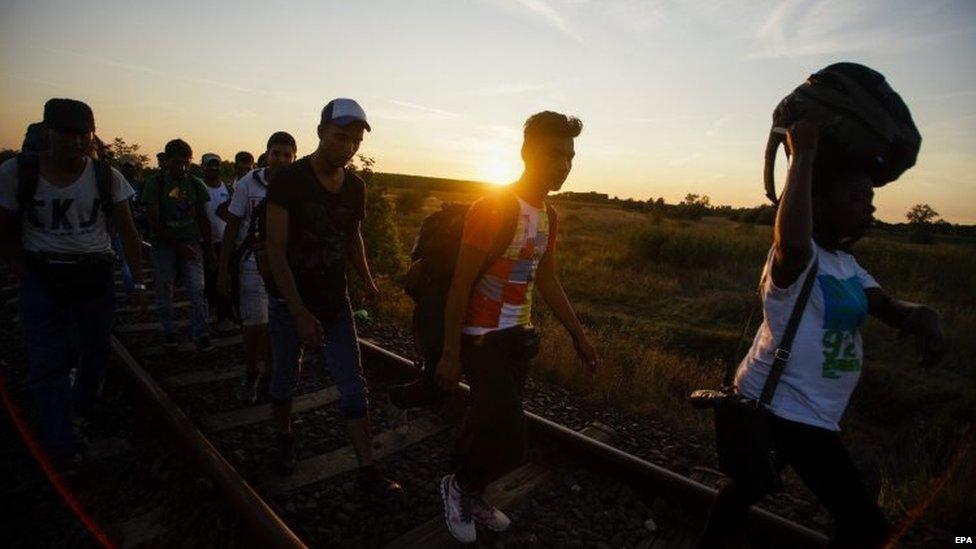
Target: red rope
<point>49,471</point>
<point>938,485</point>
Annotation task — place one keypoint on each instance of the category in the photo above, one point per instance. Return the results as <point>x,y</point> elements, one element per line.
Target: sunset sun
<point>498,171</point>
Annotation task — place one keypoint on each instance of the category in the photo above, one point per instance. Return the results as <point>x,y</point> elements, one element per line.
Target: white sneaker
<point>489,516</point>
<point>457,511</point>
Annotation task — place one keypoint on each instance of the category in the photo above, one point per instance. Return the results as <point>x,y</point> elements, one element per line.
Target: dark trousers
<point>219,303</point>
<point>491,441</point>
<point>818,456</point>
<point>60,335</point>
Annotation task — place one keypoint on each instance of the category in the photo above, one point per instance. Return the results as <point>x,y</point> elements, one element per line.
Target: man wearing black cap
<point>243,163</point>
<point>314,211</point>
<point>175,206</point>
<point>57,208</point>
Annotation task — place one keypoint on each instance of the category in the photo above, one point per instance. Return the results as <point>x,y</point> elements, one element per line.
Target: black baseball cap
<point>68,115</point>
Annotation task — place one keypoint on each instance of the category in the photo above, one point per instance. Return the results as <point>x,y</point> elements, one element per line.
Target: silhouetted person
<point>825,208</point>
<point>487,321</point>
<point>315,208</point>
<point>58,208</point>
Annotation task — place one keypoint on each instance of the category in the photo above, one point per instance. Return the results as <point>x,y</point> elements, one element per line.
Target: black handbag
<point>742,425</point>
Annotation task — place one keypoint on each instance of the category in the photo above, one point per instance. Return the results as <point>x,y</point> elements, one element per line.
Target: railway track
<point>231,444</point>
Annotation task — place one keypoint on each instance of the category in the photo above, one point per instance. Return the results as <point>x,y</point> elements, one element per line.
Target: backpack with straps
<point>434,257</point>
<point>29,172</point>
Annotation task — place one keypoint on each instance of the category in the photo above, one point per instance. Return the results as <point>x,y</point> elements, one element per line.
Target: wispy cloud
<point>544,9</point>
<point>716,128</point>
<point>509,89</point>
<point>429,110</point>
<point>168,75</point>
<point>799,28</point>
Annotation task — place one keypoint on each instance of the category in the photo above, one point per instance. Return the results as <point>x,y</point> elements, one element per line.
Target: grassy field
<point>665,302</point>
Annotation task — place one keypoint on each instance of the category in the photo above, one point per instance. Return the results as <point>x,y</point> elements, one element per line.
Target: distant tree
<point>920,218</point>
<point>119,152</point>
<point>921,214</point>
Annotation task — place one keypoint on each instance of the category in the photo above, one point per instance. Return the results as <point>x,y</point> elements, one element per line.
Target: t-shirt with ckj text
<point>64,220</point>
<point>827,353</point>
<point>177,205</point>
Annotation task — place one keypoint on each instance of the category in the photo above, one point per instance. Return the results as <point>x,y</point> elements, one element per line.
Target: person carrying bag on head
<point>790,391</point>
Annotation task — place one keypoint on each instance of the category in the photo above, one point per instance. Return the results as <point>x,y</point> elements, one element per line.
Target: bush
<point>381,234</point>
<point>411,201</point>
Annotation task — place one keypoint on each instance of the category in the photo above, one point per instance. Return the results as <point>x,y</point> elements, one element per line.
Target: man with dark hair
<point>58,207</point>
<point>242,230</point>
<point>161,161</point>
<point>315,207</point>
<point>181,238</point>
<point>487,320</point>
<point>243,163</point>
<point>219,196</point>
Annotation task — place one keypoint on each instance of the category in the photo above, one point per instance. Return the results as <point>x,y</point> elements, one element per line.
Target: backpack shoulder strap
<point>103,180</point>
<point>509,207</point>
<point>782,355</point>
<point>28,172</point>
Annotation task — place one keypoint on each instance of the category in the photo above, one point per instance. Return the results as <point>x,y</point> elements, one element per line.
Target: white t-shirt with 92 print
<point>827,353</point>
<point>66,219</point>
<point>248,192</point>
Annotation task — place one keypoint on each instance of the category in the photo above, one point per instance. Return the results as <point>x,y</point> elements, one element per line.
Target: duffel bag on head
<point>859,112</point>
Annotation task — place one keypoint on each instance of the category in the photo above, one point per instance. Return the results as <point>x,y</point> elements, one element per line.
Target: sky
<point>675,97</point>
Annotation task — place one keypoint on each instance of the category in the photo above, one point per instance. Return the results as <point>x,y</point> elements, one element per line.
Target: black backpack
<point>859,112</point>
<point>434,257</point>
<point>28,174</point>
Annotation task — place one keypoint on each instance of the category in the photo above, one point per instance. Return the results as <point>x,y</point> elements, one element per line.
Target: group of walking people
<point>271,253</point>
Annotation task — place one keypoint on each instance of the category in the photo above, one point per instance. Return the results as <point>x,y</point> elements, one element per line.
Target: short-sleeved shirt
<point>502,298</point>
<point>218,196</point>
<point>319,224</point>
<point>827,353</point>
<point>249,191</point>
<point>67,220</point>
<point>178,208</point>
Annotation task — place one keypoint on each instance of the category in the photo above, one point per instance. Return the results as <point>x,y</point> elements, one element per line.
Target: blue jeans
<point>60,336</point>
<point>122,263</point>
<point>166,262</point>
<point>340,353</point>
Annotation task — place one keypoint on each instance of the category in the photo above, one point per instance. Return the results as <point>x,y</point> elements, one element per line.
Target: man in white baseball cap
<point>315,208</point>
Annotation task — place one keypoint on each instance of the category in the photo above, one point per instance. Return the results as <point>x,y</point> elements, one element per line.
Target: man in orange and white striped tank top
<point>488,327</point>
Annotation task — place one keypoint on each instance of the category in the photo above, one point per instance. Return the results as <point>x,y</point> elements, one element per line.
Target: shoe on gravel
<point>247,391</point>
<point>457,511</point>
<point>369,480</point>
<point>489,516</point>
<point>204,345</point>
<point>286,459</point>
<point>169,341</point>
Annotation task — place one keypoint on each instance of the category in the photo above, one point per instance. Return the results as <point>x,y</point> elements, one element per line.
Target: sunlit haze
<point>674,97</point>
